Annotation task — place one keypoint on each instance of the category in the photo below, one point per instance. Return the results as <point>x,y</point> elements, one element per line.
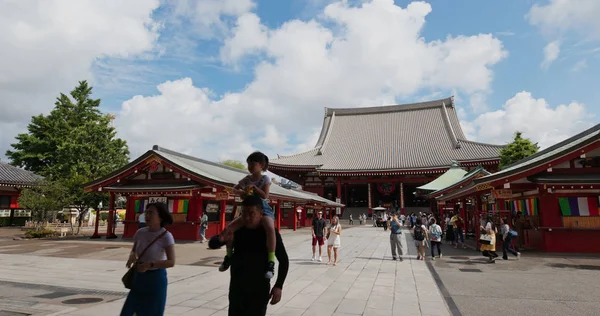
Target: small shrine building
<point>551,197</point>
<point>12,181</point>
<point>192,187</point>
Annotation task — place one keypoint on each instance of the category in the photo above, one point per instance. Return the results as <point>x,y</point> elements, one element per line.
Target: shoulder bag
<point>127,279</point>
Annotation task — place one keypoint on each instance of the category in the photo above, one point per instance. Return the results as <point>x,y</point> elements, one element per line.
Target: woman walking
<point>152,253</point>
<point>333,239</point>
<point>420,236</point>
<point>435,236</point>
<point>507,236</point>
<point>489,250</point>
<point>395,237</point>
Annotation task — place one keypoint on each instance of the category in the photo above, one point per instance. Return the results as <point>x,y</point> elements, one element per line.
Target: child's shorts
<point>267,210</point>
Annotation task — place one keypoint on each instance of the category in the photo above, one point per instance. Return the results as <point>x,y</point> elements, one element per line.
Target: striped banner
<point>579,206</point>
<point>178,206</point>
<point>527,207</point>
<point>140,206</point>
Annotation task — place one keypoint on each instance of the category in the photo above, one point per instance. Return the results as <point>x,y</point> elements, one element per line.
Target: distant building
<point>378,156</point>
<point>12,181</point>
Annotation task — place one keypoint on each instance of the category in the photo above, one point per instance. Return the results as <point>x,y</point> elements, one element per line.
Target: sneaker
<point>225,265</point>
<point>313,258</point>
<point>394,258</point>
<point>440,256</point>
<point>320,259</point>
<point>270,270</point>
<point>432,258</point>
<point>418,257</point>
<point>518,255</point>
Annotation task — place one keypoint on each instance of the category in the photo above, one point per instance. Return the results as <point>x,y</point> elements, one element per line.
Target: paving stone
<point>365,282</point>
<point>351,306</point>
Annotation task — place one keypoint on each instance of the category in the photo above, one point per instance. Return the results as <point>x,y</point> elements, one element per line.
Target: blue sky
<point>484,52</point>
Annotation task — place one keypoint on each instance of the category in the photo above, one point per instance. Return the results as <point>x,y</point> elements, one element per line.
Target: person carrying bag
<point>127,279</point>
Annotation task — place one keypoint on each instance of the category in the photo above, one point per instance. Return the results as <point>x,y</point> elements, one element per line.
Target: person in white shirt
<point>435,236</point>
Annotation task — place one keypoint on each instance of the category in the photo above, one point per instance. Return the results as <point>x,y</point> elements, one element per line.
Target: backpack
<point>419,233</point>
<point>436,231</point>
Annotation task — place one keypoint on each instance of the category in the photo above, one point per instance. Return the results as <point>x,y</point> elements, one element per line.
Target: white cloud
<point>363,55</point>
<point>551,52</point>
<point>249,37</point>
<point>47,46</point>
<point>559,19</point>
<point>561,16</point>
<point>535,118</point>
<point>208,17</point>
<point>582,64</point>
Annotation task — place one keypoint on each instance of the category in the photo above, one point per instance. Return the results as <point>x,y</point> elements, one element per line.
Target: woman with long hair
<point>489,250</point>
<point>152,253</point>
<point>333,239</point>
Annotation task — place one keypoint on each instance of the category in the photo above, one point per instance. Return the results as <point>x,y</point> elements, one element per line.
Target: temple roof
<point>395,137</point>
<point>210,171</point>
<point>549,154</point>
<point>473,174</point>
<point>11,175</point>
<point>453,175</point>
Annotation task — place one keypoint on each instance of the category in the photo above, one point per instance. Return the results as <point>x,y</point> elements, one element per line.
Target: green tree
<point>235,164</point>
<point>74,144</point>
<point>45,199</point>
<point>518,149</point>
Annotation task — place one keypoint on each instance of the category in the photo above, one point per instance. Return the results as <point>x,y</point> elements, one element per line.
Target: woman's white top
<point>334,239</point>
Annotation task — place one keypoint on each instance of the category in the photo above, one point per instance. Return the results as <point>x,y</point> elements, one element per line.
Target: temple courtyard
<point>82,278</point>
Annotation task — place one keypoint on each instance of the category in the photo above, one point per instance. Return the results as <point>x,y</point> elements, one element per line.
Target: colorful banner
<point>579,206</point>
<point>528,207</point>
<point>178,206</point>
<point>140,205</point>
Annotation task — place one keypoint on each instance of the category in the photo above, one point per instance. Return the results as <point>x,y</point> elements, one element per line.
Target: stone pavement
<point>365,282</point>
<point>539,284</point>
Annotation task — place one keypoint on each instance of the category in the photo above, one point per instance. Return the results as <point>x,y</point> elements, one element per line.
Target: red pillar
<point>96,235</point>
<point>295,218</point>
<point>278,216</point>
<point>110,230</point>
<point>222,215</point>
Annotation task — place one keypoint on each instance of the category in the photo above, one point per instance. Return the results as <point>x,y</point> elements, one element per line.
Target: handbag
<point>486,239</point>
<point>127,279</point>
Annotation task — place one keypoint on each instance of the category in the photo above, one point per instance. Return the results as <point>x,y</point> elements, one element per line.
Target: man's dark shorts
<point>319,239</point>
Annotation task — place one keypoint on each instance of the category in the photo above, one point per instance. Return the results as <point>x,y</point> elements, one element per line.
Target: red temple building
<point>551,198</point>
<point>12,181</point>
<point>190,187</point>
<point>378,156</point>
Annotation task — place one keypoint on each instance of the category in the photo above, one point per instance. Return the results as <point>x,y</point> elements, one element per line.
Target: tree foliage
<point>235,164</point>
<point>518,149</point>
<point>72,145</point>
<point>44,199</point>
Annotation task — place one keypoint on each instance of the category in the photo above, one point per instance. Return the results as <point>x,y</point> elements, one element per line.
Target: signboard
<point>212,208</point>
<point>222,196</point>
<point>4,213</point>
<point>502,194</point>
<point>287,205</point>
<point>21,213</point>
<point>482,187</point>
<point>158,199</point>
<point>338,210</point>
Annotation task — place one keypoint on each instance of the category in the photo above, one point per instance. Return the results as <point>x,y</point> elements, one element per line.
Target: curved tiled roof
<point>396,137</point>
<point>11,175</point>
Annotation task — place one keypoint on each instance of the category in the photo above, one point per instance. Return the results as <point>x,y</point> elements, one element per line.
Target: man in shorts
<point>318,232</point>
